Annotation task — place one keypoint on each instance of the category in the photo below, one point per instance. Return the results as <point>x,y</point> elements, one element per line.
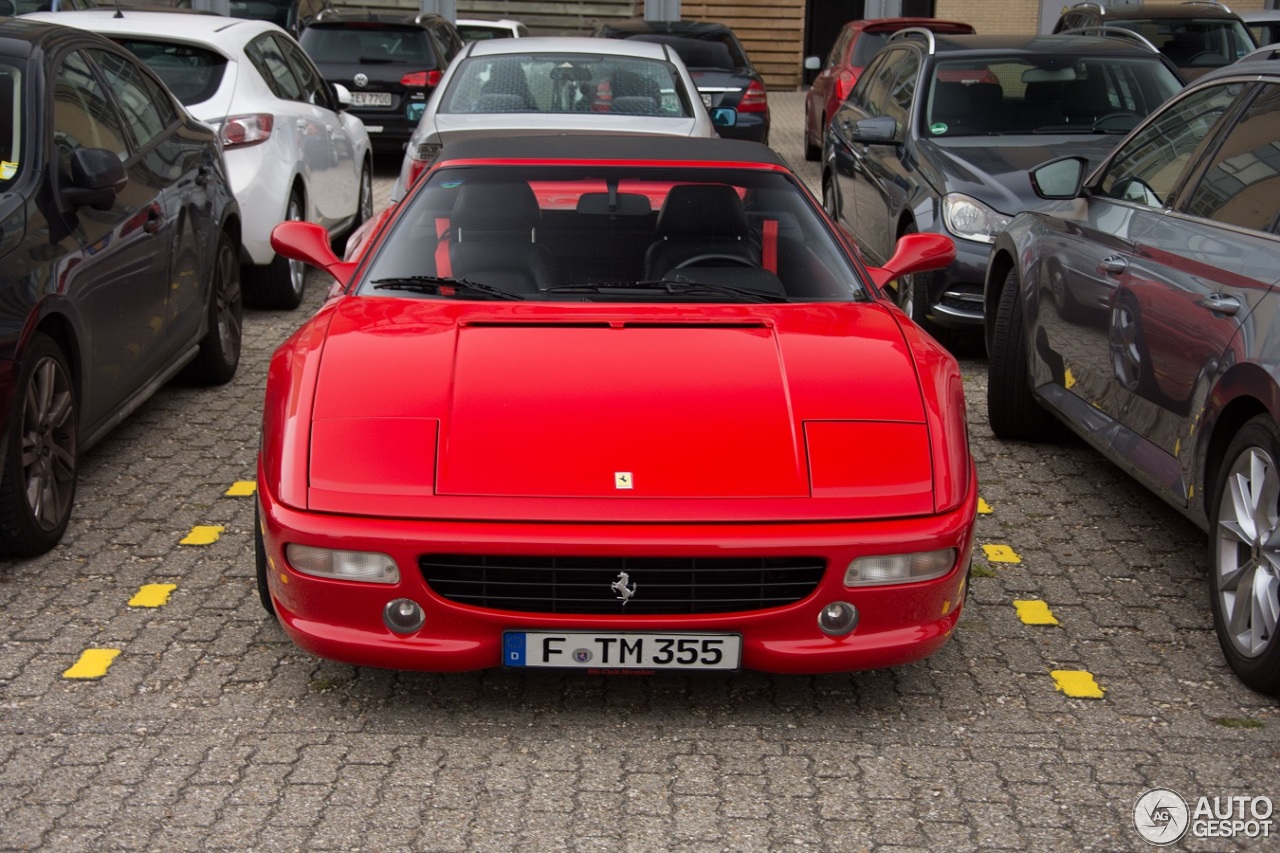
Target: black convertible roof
<point>611,147</point>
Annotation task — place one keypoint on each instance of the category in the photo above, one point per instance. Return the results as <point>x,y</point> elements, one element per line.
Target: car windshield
<point>1045,94</point>
<point>369,43</point>
<point>11,122</point>
<point>1193,42</point>
<point>192,73</point>
<point>618,233</point>
<point>566,83</point>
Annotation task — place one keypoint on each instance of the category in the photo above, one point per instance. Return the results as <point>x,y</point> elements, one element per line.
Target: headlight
<point>899,568</point>
<point>342,565</point>
<point>971,219</point>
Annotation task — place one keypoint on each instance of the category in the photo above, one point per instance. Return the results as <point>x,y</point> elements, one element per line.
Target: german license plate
<point>630,650</point>
<point>706,100</point>
<point>370,99</point>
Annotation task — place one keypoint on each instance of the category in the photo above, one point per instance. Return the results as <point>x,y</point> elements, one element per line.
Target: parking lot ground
<point>193,723</point>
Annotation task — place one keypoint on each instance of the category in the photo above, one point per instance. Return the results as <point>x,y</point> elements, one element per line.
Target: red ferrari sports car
<point>670,425</point>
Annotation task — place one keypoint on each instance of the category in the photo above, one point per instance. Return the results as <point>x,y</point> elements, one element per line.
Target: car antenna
<point>118,14</point>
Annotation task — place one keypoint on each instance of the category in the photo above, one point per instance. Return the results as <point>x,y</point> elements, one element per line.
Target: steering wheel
<point>710,257</point>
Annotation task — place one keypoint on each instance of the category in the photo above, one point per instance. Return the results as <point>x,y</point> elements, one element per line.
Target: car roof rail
<point>1111,32</point>
<point>1097,7</point>
<point>1217,3</point>
<point>907,32</point>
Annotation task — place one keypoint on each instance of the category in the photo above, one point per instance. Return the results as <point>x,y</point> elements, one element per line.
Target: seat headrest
<point>496,207</point>
<point>699,211</point>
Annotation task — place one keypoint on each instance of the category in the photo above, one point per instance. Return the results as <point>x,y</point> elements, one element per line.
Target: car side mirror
<point>915,253</point>
<point>878,130</point>
<point>341,95</point>
<point>724,116</point>
<point>1059,179</point>
<point>812,63</point>
<point>309,243</point>
<point>97,177</point>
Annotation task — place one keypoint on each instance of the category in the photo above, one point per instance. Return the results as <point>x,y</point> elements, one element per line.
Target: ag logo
<point>1161,816</point>
<point>361,80</point>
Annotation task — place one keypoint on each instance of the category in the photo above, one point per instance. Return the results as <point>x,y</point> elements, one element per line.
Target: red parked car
<point>857,43</point>
<point>672,425</point>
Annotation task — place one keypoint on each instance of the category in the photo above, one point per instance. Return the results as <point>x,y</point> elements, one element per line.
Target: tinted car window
<point>147,110</point>
<point>1242,182</point>
<point>383,44</point>
<point>1195,42</point>
<point>314,89</point>
<point>192,73</point>
<point>1147,169</point>
<point>701,53</point>
<point>868,45</point>
<point>11,116</point>
<point>82,113</point>
<point>265,55</point>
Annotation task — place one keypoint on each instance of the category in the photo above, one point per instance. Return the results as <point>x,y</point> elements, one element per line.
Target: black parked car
<point>939,131</point>
<point>1140,310</point>
<point>390,63</point>
<point>718,64</point>
<point>119,264</point>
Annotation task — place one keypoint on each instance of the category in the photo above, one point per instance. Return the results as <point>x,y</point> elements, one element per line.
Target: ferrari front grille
<point>647,585</point>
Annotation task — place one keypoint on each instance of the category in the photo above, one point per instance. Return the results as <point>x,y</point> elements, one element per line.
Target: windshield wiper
<point>441,286</point>
<point>676,286</point>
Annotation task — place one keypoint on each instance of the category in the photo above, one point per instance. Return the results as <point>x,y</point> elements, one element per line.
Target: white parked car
<point>475,29</point>
<point>292,150</point>
<point>558,85</point>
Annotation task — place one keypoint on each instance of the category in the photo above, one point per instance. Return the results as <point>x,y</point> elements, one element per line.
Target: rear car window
<point>566,83</point>
<point>193,74</point>
<point>368,45</point>
<point>700,53</point>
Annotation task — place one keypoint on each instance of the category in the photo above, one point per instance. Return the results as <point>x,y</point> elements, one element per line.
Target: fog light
<point>900,568</point>
<point>403,615</point>
<point>838,618</point>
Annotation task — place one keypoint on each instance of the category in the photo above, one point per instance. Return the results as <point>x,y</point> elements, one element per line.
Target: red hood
<point>419,402</point>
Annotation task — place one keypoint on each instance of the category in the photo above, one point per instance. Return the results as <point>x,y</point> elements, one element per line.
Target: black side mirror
<point>878,130</point>
<point>97,177</point>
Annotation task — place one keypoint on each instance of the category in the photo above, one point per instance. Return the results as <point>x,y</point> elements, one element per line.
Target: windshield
<point>192,73</point>
<point>1045,94</point>
<point>1193,42</point>
<point>617,233</point>
<point>566,83</point>
<point>369,43</point>
<point>11,125</point>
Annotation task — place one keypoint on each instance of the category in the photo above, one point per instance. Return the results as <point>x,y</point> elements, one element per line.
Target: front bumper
<point>955,292</point>
<point>342,620</point>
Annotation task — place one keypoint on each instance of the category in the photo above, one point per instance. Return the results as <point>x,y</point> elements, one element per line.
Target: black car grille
<point>661,585</point>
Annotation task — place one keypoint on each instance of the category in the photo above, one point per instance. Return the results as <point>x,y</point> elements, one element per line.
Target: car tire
<point>219,354</point>
<point>279,284</point>
<point>364,212</point>
<point>1244,583</point>
<point>1012,410</point>
<point>260,563</point>
<point>41,463</point>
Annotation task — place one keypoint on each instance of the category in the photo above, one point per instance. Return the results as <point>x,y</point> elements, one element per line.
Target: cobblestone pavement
<point>211,731</point>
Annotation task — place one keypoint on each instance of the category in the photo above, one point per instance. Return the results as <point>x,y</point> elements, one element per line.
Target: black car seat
<point>492,238</point>
<point>700,219</point>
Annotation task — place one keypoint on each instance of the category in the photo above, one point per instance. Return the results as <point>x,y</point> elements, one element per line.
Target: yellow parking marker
<point>93,663</point>
<point>152,595</point>
<point>203,534</point>
<point>1076,683</point>
<point>242,488</point>
<point>1033,612</point>
<point>1001,554</point>
<point>1068,379</point>
<point>984,508</point>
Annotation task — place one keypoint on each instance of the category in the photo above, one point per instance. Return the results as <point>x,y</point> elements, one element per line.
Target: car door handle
<point>155,218</point>
<point>1114,264</point>
<point>1221,303</point>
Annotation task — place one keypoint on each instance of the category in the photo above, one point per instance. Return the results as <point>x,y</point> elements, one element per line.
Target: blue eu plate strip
<point>513,649</point>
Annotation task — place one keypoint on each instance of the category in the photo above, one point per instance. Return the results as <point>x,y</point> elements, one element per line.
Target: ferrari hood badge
<point>622,479</point>
<point>623,588</point>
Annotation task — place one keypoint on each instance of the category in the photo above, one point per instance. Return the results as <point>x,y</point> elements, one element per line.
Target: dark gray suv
<point>1139,308</point>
